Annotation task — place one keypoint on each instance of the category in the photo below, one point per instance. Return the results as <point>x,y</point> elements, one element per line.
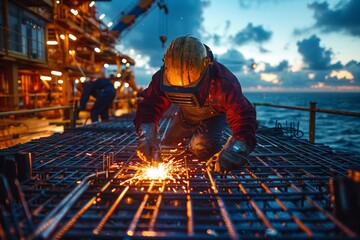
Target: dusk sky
<point>297,44</point>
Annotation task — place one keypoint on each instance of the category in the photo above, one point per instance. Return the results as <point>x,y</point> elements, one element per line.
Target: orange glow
<point>159,172</point>
<point>169,170</point>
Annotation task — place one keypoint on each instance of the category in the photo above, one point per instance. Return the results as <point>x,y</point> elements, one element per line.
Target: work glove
<point>232,157</point>
<point>148,145</point>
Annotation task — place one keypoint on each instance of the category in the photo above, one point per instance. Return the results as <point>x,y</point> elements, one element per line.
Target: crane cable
<point>163,21</point>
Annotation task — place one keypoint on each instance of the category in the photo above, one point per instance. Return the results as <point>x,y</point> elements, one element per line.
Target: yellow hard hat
<point>185,62</point>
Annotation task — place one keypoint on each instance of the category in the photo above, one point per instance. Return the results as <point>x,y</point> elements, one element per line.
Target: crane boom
<point>128,18</point>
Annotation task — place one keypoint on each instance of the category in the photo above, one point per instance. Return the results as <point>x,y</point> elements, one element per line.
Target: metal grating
<point>81,189</point>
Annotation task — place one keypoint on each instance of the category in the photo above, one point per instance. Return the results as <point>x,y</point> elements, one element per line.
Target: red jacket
<point>225,95</point>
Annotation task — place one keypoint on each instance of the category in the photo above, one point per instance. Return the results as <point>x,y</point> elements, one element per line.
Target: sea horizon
<point>339,132</point>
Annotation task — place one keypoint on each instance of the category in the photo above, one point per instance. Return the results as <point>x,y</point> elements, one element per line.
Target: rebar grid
<point>75,194</point>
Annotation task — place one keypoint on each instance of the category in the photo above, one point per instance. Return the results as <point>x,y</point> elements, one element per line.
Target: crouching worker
<point>209,99</point>
<point>104,92</point>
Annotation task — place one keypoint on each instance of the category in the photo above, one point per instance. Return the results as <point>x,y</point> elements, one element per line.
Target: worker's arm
<point>241,117</point>
<point>150,109</point>
<point>153,103</point>
<point>240,114</point>
<point>85,95</point>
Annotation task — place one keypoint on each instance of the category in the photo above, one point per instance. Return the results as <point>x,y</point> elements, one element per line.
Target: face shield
<point>193,95</point>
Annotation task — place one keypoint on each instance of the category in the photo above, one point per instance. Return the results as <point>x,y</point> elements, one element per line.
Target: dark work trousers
<point>102,104</point>
<point>203,127</point>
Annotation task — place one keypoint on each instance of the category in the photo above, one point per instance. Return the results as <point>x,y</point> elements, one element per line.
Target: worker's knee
<point>203,146</point>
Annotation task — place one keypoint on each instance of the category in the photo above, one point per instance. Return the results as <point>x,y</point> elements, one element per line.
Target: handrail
<point>312,110</point>
<point>339,112</point>
<point>18,112</point>
<point>73,113</point>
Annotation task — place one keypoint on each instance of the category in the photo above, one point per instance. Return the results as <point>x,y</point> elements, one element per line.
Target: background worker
<point>209,99</point>
<point>104,92</point>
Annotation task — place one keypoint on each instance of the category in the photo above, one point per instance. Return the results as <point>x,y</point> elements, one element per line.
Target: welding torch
<point>156,159</point>
<point>149,146</point>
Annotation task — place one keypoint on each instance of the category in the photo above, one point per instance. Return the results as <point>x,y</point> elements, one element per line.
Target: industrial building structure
<point>47,47</point>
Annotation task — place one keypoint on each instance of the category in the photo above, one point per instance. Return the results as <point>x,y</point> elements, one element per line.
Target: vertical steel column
<point>312,119</point>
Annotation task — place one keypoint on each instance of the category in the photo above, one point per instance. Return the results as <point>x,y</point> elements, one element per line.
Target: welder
<point>104,92</point>
<point>208,98</point>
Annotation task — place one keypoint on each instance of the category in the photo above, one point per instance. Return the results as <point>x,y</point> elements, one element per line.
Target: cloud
<point>282,66</point>
<point>186,17</point>
<point>234,61</point>
<point>251,34</point>
<point>250,3</point>
<point>314,56</point>
<point>342,74</point>
<point>263,50</point>
<point>270,77</point>
<point>345,18</point>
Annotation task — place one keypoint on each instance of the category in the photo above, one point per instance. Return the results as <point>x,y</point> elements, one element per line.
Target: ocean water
<point>341,133</point>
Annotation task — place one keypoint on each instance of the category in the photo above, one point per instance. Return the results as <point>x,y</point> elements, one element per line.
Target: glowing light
<point>126,85</point>
<point>116,84</point>
<point>127,64</point>
<point>109,24</point>
<point>159,172</point>
<point>45,78</point>
<point>168,170</point>
<point>56,73</point>
<point>131,51</point>
<point>96,49</point>
<point>77,81</point>
<point>52,43</point>
<point>124,60</point>
<point>92,3</point>
<point>82,79</point>
<point>74,11</point>
<point>72,37</point>
<point>62,36</point>
<point>72,52</point>
<point>60,81</point>
<point>106,65</point>
<point>101,16</point>
<point>118,75</point>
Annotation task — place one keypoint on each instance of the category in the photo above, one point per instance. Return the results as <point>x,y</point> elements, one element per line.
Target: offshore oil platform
<point>87,182</point>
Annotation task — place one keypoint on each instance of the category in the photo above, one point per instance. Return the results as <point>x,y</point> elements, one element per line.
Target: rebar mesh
<point>80,189</point>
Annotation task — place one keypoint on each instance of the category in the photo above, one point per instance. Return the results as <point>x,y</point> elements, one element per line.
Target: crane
<point>130,15</point>
<point>127,19</point>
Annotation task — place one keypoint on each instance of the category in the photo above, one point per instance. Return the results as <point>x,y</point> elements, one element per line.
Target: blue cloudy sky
<point>297,44</point>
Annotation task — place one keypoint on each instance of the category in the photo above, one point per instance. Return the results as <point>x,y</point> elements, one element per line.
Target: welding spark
<point>160,172</point>
<point>169,170</point>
